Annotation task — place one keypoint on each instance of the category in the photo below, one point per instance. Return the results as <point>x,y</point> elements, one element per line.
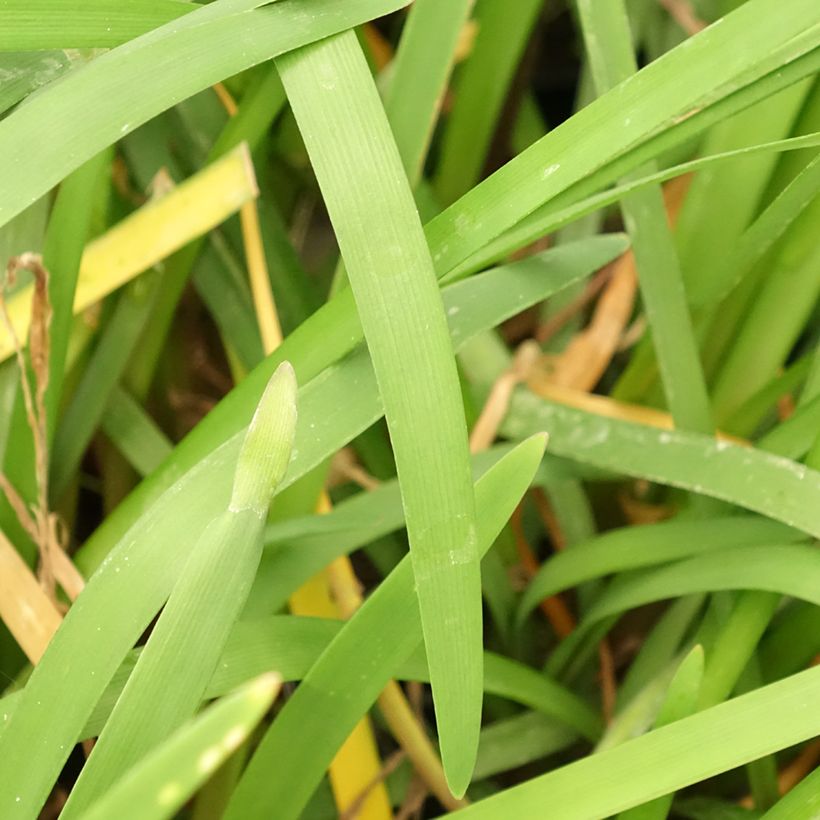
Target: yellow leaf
<point>149,235</point>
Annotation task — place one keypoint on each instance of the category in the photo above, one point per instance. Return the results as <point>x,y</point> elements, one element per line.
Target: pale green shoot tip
<point>266,450</point>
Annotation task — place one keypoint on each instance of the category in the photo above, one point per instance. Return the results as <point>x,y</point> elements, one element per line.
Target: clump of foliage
<point>409,410</point>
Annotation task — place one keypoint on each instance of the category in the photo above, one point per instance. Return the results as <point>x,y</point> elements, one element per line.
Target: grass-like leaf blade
<point>391,274</point>
<point>163,781</point>
<point>338,689</point>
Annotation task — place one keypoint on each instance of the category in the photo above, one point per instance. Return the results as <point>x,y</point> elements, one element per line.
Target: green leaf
<point>661,645</point>
<point>552,217</point>
<point>635,547</point>
<point>66,237</point>
<point>419,74</point>
<point>291,645</point>
<point>173,62</point>
<point>681,701</point>
<point>776,487</point>
<point>512,742</point>
<point>134,433</point>
<point>101,373</point>
<point>163,781</point>
<point>789,569</point>
<point>73,673</point>
<point>391,274</point>
<point>503,30</point>
<point>24,71</point>
<point>299,547</point>
<point>764,339</point>
<point>609,48</point>
<point>341,686</point>
<point>764,231</point>
<point>720,206</point>
<point>656,129</point>
<point>764,721</point>
<point>173,670</point>
<point>765,34</point>
<point>266,449</point>
<point>734,646</point>
<point>37,25</point>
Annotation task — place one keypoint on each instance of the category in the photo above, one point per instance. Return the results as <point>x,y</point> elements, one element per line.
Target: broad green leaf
<point>688,80</point>
<point>472,306</point>
<point>764,721</point>
<point>38,25</point>
<point>172,62</point>
<point>292,644</point>
<point>336,323</point>
<point>153,553</point>
<point>789,569</point>
<point>635,547</point>
<point>391,274</point>
<point>169,680</point>
<point>298,548</point>
<point>341,686</point>
<point>174,668</point>
<point>159,785</point>
<point>774,486</point>
<point>552,218</point>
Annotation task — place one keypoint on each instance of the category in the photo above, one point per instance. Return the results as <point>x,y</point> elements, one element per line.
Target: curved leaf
<point>634,547</point>
<point>781,489</point>
<point>790,569</point>
<point>350,673</point>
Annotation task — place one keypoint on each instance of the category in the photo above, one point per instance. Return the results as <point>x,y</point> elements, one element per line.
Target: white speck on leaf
<point>209,760</point>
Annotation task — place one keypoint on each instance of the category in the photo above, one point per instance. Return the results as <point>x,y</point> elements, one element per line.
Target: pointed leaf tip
<point>542,439</point>
<point>459,741</point>
<point>458,780</point>
<point>266,450</point>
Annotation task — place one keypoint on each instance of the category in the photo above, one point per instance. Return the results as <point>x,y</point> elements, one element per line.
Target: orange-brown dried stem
<point>554,608</point>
